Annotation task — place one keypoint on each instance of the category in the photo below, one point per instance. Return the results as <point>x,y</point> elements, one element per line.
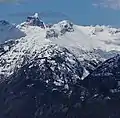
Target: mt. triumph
<point>59,70</point>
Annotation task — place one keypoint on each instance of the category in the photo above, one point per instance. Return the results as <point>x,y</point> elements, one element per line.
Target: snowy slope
<point>103,37</point>
<point>83,37</point>
<point>27,47</point>
<point>86,39</point>
<point>91,45</point>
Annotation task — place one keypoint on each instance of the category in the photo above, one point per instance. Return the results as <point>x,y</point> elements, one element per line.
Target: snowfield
<point>83,37</point>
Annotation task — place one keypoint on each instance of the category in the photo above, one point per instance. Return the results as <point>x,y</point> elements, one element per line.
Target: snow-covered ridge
<point>33,21</point>
<point>83,37</point>
<point>91,45</point>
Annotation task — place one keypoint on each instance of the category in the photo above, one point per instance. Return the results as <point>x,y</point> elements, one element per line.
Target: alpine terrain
<point>59,70</point>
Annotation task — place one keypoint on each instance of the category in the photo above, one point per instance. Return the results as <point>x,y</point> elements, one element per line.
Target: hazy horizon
<point>85,12</point>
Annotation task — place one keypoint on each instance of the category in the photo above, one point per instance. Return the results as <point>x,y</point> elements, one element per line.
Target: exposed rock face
<point>52,33</point>
<point>34,21</point>
<point>59,29</point>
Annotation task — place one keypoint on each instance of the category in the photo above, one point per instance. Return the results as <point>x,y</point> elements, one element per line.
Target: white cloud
<point>114,4</point>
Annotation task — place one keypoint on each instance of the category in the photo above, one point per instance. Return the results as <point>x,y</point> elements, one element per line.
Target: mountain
<point>106,77</point>
<point>60,71</point>
<point>103,85</point>
<point>9,31</point>
<point>91,45</point>
<point>33,21</point>
<point>87,43</point>
<point>43,86</point>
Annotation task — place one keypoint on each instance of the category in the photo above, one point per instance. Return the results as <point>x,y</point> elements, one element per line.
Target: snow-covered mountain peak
<point>89,48</point>
<point>65,24</point>
<point>14,55</point>
<point>67,34</point>
<point>36,15</point>
<point>76,38</point>
<point>33,20</point>
<point>24,52</point>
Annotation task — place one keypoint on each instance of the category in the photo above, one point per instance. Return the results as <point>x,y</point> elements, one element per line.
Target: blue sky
<point>81,12</point>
